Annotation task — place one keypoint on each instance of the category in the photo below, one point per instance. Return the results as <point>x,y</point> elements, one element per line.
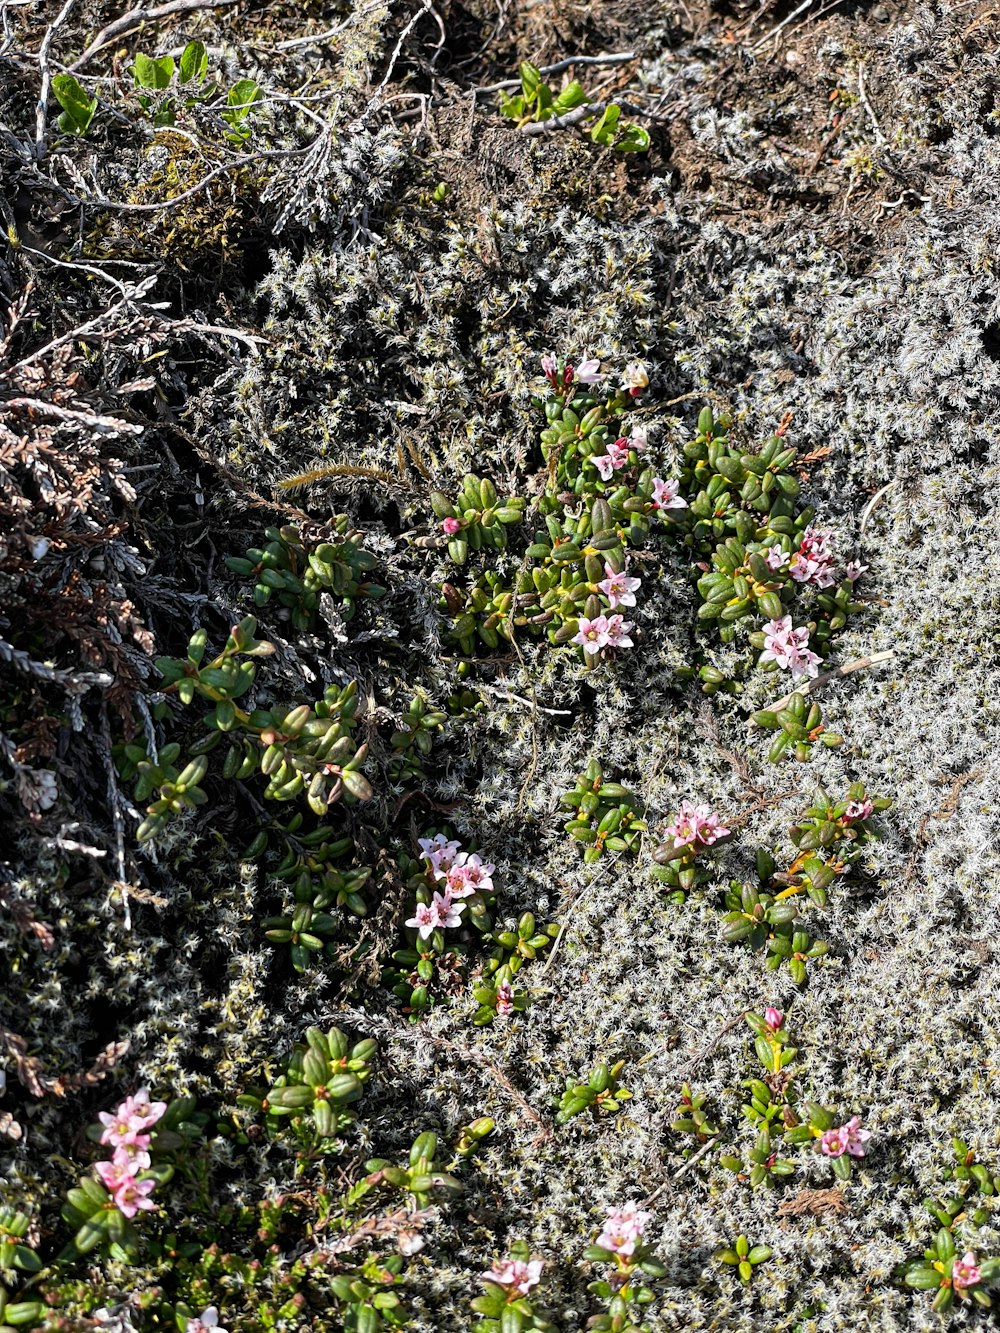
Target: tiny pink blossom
<point>505,999</point>
<point>470,874</point>
<point>965,1272</point>
<point>619,588</point>
<point>549,368</point>
<point>424,920</point>
<point>132,1195</point>
<point>695,826</point>
<point>124,1126</point>
<point>618,628</point>
<point>592,634</point>
<point>773,1018</point>
<point>665,495</point>
<point>639,438</point>
<point>589,371</point>
<point>623,1230</point>
<point>775,557</point>
<point>208,1319</point>
<point>789,649</point>
<point>858,810</point>
<point>448,913</point>
<point>616,458</point>
<point>803,662</point>
<point>814,561</point>
<point>849,1138</point>
<point>119,1169</point>
<point>515,1276</point>
<point>855,569</point>
<point>439,852</point>
<point>451,526</point>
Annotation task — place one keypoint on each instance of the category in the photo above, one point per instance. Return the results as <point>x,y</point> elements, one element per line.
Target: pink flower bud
<point>451,526</point>
<point>773,1018</point>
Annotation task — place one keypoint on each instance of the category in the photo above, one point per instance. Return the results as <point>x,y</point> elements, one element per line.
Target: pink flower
<point>695,827</point>
<point>120,1168</point>
<point>505,999</point>
<point>638,439</point>
<point>849,1138</point>
<point>592,634</point>
<point>549,368</point>
<point>439,852</point>
<point>623,1230</point>
<point>773,1018</point>
<point>618,588</point>
<point>208,1319</point>
<point>451,526</point>
<point>469,874</point>
<point>618,628</point>
<point>965,1272</point>
<point>855,569</point>
<point>858,810</point>
<point>788,648</point>
<point>132,1195</point>
<point>447,913</point>
<point>803,662</point>
<point>775,557</point>
<point>439,912</point>
<point>123,1127</point>
<point>814,560</point>
<point>515,1276</point>
<point>424,920</point>
<point>665,495</point>
<point>589,372</point>
<point>616,457</point>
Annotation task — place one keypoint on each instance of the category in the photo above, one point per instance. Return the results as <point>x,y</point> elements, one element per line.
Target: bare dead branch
<point>138,18</point>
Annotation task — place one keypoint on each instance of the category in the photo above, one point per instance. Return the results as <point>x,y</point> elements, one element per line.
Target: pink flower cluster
<point>505,999</point>
<point>849,1138</point>
<point>587,372</point>
<point>618,587</point>
<point>618,450</point>
<point>623,1230</point>
<point>858,810</point>
<point>125,1130</point>
<point>516,1276</point>
<point>461,873</point>
<point>451,526</point>
<point>965,1272</point>
<point>814,561</point>
<point>604,632</point>
<point>695,826</point>
<point>789,648</point>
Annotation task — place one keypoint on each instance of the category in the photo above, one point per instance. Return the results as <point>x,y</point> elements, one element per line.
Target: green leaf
<point>572,95</point>
<point>78,108</point>
<point>151,73</point>
<point>604,131</point>
<point>531,80</point>
<point>241,97</point>
<point>194,64</point>
<point>633,140</point>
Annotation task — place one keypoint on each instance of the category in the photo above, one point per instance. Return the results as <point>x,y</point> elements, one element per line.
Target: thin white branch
<point>137,18</point>
<point>42,109</point>
<point>782,25</point>
<point>863,94</point>
<point>617,58</point>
